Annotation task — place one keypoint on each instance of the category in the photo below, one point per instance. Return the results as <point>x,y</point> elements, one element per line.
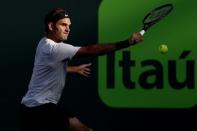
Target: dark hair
<point>53,16</point>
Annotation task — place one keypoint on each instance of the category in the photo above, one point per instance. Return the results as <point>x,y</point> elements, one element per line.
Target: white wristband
<point>142,32</point>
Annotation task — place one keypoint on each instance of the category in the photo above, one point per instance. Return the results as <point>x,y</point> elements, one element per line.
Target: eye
<point>63,24</point>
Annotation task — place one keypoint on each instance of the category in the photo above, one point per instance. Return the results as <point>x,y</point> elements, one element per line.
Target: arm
<point>83,69</point>
<point>102,49</point>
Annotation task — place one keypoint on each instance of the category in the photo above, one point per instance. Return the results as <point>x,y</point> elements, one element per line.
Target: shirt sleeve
<point>62,51</point>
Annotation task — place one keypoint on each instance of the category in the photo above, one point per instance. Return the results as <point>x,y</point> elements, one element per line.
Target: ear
<point>50,26</point>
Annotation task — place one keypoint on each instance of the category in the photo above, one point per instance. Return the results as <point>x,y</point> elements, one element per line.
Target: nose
<point>67,29</point>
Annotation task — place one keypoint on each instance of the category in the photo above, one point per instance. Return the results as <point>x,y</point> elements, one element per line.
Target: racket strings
<point>156,15</point>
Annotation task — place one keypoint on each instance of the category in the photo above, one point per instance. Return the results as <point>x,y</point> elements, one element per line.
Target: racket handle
<point>142,32</point>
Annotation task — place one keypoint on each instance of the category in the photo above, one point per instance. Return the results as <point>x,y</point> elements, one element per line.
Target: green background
<point>118,19</point>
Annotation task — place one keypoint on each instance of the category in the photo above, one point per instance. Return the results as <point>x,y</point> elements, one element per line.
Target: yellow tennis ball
<point>163,48</point>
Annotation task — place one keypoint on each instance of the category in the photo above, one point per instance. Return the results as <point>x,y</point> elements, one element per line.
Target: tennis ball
<point>163,49</point>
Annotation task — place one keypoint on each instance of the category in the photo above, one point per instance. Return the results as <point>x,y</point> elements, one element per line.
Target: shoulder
<point>48,42</point>
<point>46,45</point>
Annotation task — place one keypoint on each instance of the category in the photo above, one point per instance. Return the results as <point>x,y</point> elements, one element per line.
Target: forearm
<point>102,49</point>
<point>83,69</point>
<point>71,69</point>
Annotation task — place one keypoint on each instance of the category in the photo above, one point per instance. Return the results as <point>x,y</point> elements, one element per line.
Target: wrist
<point>123,44</point>
<point>71,69</point>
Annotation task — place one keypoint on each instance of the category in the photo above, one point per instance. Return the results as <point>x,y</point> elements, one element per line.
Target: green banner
<point>141,76</point>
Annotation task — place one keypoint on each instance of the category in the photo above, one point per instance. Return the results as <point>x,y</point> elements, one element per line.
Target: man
<point>39,107</point>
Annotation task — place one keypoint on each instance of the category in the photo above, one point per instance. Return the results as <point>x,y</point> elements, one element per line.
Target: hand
<point>83,69</point>
<point>135,38</point>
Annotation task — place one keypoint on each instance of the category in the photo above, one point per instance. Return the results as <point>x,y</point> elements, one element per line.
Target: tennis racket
<point>155,16</point>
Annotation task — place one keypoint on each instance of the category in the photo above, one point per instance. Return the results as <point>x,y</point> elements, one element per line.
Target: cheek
<point>61,30</point>
<point>58,31</point>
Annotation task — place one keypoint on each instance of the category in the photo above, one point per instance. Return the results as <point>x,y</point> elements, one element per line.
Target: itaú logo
<point>149,83</point>
<point>140,76</point>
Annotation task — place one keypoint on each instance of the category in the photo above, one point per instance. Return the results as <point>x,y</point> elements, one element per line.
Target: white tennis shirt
<point>49,72</point>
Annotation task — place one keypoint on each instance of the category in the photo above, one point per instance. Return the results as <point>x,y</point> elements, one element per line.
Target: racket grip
<point>142,32</point>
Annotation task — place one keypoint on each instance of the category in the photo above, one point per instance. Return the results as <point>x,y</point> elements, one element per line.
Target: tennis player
<point>39,106</point>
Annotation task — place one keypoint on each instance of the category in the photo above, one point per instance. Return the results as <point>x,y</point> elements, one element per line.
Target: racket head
<point>156,15</point>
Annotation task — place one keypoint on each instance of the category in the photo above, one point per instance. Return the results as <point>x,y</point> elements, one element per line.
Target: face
<point>61,29</point>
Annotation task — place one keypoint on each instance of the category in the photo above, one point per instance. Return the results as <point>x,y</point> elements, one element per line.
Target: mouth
<point>66,32</point>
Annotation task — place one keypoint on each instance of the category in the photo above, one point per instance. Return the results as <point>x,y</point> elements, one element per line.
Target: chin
<point>65,38</point>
